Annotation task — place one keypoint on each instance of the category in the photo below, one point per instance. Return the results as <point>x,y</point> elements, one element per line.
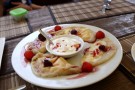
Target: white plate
<point>2,44</point>
<point>133,51</point>
<point>104,70</point>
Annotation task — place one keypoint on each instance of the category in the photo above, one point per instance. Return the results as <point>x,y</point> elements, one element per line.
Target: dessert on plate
<point>85,33</point>
<point>44,64</point>
<point>99,52</point>
<point>47,65</point>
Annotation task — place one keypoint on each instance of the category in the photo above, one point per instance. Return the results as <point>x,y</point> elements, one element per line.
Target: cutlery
<point>106,5</point>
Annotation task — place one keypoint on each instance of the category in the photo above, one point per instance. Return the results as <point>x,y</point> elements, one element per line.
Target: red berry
<point>57,28</point>
<point>28,54</point>
<point>87,67</point>
<point>100,35</point>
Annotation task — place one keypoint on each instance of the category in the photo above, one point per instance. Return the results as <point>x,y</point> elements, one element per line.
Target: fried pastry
<point>59,66</point>
<point>36,46</point>
<point>85,33</point>
<point>99,52</point>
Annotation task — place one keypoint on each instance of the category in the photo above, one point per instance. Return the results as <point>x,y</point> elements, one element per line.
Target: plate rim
<point>121,50</point>
<point>3,39</point>
<point>133,51</point>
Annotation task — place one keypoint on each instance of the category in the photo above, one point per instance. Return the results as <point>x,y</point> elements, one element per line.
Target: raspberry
<point>74,32</point>
<point>47,63</point>
<point>77,46</point>
<point>100,35</point>
<point>57,28</point>
<point>28,55</point>
<point>87,67</point>
<point>41,37</point>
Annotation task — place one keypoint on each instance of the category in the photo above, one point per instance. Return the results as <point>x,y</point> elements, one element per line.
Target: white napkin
<point>2,44</point>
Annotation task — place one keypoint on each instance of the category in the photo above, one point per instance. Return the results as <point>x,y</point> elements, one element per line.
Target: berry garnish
<point>77,46</point>
<point>28,55</point>
<point>87,67</point>
<point>100,35</point>
<point>57,28</point>
<point>103,48</point>
<point>74,32</point>
<point>86,50</point>
<point>41,37</point>
<point>47,63</point>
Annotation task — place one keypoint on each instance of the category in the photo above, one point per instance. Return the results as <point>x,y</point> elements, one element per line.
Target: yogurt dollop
<point>65,45</point>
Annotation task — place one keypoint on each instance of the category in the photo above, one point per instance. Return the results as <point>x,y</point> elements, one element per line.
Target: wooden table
<point>123,78</point>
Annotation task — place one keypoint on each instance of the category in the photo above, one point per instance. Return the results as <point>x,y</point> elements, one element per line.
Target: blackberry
<point>74,32</point>
<point>103,48</point>
<point>47,63</point>
<point>41,37</point>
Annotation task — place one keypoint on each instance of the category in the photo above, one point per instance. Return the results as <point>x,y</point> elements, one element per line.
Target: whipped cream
<point>65,45</point>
